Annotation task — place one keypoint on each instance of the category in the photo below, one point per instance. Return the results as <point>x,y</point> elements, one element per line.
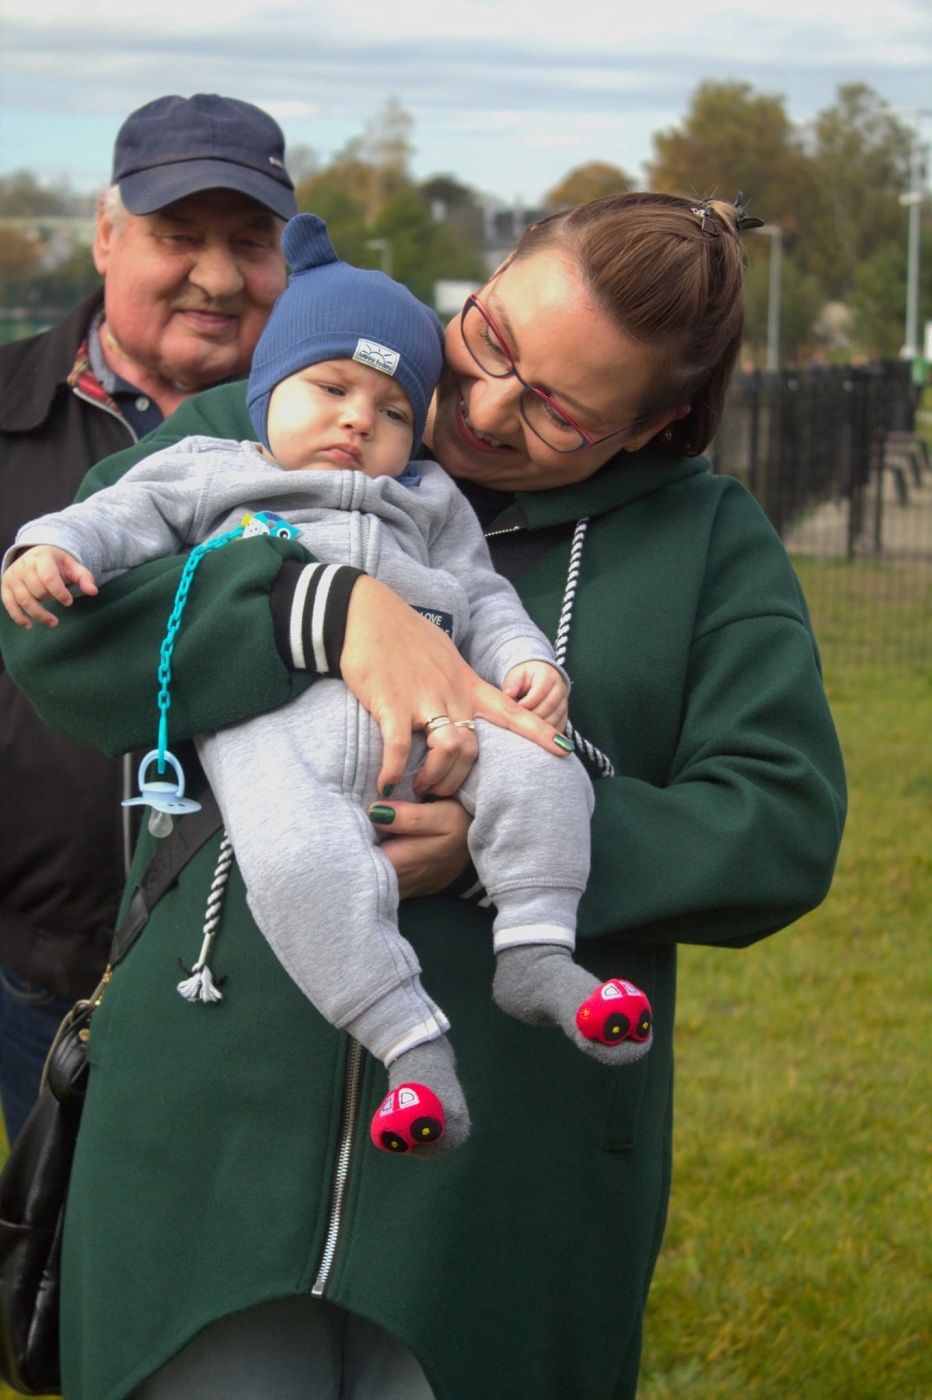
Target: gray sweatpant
<point>293,787</point>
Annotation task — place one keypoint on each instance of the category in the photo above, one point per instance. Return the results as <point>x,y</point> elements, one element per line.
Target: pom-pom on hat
<point>332,311</point>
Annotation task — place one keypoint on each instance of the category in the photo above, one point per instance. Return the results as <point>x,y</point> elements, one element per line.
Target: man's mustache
<point>234,306</point>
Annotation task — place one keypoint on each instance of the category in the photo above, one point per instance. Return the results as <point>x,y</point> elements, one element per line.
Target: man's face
<point>189,288</point>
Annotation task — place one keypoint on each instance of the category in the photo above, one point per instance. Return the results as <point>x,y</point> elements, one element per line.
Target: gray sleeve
<point>501,634</point>
<point>159,508</point>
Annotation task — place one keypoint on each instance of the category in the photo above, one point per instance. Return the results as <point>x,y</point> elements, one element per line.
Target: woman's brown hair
<point>670,273</point>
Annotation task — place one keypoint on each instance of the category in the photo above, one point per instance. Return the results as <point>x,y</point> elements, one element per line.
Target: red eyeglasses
<point>488,347</point>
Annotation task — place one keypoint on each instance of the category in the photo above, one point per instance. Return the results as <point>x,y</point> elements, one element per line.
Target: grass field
<point>797,1260</point>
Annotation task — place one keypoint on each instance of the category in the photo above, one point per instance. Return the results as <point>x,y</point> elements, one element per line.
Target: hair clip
<point>743,221</point>
<point>706,217</point>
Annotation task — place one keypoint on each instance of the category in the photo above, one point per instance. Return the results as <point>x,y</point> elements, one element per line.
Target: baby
<point>339,392</point>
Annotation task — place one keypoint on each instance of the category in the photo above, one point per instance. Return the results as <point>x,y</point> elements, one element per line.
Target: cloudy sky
<point>507,95</point>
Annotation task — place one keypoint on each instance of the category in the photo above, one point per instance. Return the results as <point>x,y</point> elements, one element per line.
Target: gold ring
<point>438,722</point>
<point>465,724</point>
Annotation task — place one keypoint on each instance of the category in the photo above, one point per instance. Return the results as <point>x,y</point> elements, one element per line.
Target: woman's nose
<point>495,405</point>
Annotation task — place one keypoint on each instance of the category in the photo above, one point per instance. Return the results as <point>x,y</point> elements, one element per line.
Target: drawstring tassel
<point>200,984</point>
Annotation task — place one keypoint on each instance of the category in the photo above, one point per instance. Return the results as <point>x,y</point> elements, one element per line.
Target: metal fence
<point>802,439</point>
<point>834,458</point>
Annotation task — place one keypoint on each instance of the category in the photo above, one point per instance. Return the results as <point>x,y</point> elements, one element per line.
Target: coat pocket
<point>624,1107</point>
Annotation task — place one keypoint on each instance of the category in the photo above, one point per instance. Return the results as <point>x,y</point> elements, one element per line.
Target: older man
<point>188,246</point>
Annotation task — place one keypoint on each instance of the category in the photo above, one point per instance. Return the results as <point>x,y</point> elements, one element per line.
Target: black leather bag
<point>33,1189</point>
<point>34,1181</point>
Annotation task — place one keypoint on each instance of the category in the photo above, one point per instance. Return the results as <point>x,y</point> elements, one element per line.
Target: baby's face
<point>341,415</point>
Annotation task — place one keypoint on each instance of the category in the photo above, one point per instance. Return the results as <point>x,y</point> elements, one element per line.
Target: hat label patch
<point>369,352</point>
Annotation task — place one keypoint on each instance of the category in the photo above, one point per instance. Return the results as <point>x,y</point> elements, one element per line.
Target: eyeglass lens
<point>492,355</point>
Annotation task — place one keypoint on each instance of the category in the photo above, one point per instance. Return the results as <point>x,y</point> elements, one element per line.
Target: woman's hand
<point>405,671</point>
<point>426,844</point>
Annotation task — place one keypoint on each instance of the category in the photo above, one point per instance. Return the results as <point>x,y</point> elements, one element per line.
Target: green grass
<point>797,1260</point>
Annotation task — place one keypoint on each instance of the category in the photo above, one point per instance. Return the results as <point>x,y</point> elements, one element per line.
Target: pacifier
<point>166,799</point>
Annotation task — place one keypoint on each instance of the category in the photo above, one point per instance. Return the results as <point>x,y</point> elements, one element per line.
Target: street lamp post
<point>775,233</point>
<point>912,200</point>
<point>382,246</point>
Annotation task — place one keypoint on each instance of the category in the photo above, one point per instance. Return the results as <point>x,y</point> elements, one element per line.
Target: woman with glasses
<point>224,1217</point>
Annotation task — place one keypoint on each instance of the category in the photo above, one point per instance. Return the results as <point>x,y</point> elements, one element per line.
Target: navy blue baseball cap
<point>176,146</point>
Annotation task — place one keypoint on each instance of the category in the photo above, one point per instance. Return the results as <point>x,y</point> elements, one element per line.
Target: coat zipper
<point>352,1092</point>
<point>105,408</point>
<point>128,765</point>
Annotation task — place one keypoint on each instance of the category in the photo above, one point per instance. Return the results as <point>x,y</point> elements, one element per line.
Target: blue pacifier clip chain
<point>167,798</point>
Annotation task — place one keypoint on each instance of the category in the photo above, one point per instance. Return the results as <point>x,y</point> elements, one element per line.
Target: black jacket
<point>61,851</point>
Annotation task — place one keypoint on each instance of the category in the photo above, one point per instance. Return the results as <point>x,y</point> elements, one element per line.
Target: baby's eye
<point>397,415</point>
<point>336,390</point>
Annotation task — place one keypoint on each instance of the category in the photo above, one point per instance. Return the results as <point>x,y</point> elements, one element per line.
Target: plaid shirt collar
<point>82,378</point>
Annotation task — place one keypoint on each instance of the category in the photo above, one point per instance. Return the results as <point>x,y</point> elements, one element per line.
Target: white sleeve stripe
<point>295,626</point>
<point>318,617</point>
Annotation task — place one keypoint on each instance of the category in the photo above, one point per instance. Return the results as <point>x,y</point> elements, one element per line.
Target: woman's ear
<point>654,426</point>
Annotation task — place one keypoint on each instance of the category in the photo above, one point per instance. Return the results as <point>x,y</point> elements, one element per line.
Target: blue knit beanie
<point>332,311</point>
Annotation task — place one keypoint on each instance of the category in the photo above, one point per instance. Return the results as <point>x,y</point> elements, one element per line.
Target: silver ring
<point>465,724</point>
<point>438,722</point>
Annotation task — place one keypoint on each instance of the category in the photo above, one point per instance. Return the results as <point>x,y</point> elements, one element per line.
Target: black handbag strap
<point>183,842</point>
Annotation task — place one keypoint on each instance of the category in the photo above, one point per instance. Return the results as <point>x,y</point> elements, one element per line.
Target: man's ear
<point>103,238</point>
<point>643,435</point>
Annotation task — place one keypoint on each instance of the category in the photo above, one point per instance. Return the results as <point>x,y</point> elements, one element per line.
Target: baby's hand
<point>537,686</point>
<point>40,573</point>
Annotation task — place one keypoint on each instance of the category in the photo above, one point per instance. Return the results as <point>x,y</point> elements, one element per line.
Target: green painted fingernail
<point>563,743</point>
<point>381,816</point>
<point>387,790</point>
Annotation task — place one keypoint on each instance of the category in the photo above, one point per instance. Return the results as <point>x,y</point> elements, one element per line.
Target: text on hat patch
<point>369,352</point>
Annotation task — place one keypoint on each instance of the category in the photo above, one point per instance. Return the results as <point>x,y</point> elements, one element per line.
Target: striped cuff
<point>523,935</point>
<point>467,885</point>
<point>309,605</point>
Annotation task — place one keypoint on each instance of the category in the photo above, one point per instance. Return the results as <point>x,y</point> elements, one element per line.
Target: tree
<point>734,139</point>
<point>801,301</point>
<point>424,250</point>
<point>878,297</point>
<point>327,196</point>
<point>584,182</point>
<point>22,197</point>
<point>19,261</point>
<point>366,195</point>
<point>860,165</point>
<point>373,166</point>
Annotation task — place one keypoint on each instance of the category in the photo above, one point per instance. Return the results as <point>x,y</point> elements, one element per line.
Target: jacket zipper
<point>105,408</point>
<point>352,1087</point>
<point>352,1092</point>
<point>128,775</point>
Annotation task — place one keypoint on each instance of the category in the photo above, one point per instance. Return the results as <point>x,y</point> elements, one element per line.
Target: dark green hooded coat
<point>207,1169</point>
